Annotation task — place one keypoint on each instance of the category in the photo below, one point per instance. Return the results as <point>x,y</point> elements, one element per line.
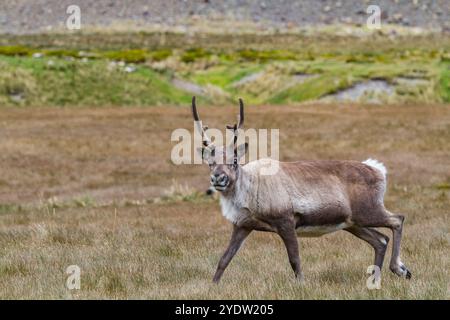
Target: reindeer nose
<point>217,178</point>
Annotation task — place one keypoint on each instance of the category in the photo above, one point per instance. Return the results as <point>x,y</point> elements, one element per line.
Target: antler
<point>241,114</point>
<point>205,139</point>
<point>235,128</point>
<point>240,124</point>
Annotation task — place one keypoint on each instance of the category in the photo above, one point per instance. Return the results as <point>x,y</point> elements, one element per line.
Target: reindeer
<point>304,198</point>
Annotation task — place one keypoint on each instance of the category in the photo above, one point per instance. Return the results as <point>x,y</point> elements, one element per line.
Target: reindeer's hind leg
<point>396,266</point>
<point>395,223</point>
<point>376,239</point>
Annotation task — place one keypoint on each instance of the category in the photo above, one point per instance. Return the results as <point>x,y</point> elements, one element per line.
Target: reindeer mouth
<point>220,187</point>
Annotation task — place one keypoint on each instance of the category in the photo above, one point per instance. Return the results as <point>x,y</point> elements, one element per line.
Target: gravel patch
<point>31,16</point>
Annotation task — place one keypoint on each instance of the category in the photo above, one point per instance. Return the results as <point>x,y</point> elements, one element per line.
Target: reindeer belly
<point>327,219</point>
<point>317,231</point>
<point>318,213</point>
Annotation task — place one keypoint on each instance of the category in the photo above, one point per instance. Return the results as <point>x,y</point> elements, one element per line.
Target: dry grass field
<point>95,187</point>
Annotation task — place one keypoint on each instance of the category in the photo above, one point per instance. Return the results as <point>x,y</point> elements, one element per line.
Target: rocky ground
<point>31,16</point>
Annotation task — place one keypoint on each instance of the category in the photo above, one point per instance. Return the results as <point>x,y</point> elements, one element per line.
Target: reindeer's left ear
<point>206,153</point>
<point>242,150</point>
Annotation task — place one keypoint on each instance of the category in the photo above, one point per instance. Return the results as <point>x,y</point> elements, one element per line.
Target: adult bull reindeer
<point>304,198</point>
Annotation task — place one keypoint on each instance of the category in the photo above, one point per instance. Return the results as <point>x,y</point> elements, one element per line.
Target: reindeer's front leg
<point>286,230</point>
<point>237,237</point>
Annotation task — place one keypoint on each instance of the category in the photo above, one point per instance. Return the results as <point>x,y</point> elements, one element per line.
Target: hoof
<point>408,274</point>
<point>300,279</point>
<point>402,271</point>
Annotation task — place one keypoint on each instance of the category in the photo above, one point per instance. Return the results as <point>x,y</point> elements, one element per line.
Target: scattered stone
<point>188,86</point>
<point>347,20</point>
<point>17,97</point>
<point>326,19</point>
<point>112,65</point>
<point>129,69</point>
<point>370,91</point>
<point>397,17</point>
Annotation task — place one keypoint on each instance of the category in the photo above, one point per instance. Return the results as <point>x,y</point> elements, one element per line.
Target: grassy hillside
<point>44,73</point>
<point>61,82</point>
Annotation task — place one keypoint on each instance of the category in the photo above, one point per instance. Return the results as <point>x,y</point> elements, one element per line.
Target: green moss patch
<point>145,76</point>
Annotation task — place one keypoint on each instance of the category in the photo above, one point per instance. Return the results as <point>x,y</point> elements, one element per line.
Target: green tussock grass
<point>15,50</point>
<point>443,186</point>
<point>10,208</point>
<point>445,81</point>
<point>59,82</point>
<point>71,76</point>
<point>266,55</point>
<point>313,89</point>
<point>190,55</point>
<point>224,75</point>
<point>129,56</point>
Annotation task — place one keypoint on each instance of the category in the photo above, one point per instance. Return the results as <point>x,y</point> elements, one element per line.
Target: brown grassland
<point>95,187</point>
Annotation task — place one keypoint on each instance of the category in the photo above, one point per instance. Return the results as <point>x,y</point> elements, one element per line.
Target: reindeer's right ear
<point>242,150</point>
